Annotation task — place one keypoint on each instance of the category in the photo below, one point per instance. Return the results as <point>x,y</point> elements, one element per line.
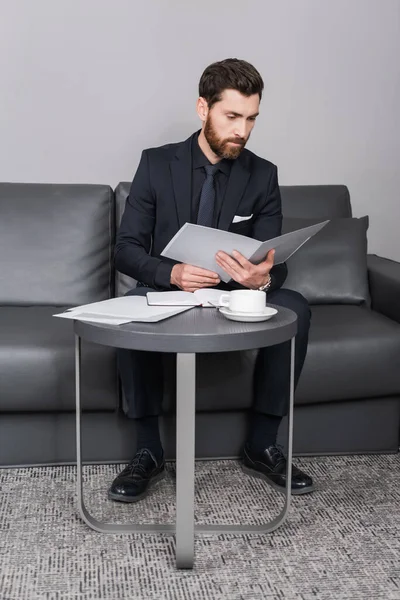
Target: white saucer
<point>266,314</point>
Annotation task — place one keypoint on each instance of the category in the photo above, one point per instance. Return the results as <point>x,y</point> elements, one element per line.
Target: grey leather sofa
<point>56,244</point>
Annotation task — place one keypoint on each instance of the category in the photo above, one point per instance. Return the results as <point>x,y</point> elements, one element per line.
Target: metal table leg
<point>185,431</point>
<point>281,518</point>
<point>86,516</point>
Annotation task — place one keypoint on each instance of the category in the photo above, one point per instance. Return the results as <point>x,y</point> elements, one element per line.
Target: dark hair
<point>230,73</point>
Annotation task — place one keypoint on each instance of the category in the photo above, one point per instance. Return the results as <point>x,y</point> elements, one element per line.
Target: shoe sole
<point>130,499</point>
<point>279,488</point>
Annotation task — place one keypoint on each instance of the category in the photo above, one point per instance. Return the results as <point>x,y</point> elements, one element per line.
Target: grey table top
<point>195,330</point>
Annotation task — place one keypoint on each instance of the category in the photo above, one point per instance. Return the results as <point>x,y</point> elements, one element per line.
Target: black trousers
<point>141,373</point>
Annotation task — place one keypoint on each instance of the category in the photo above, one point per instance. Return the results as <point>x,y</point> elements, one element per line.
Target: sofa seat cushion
<point>37,364</point>
<point>353,353</point>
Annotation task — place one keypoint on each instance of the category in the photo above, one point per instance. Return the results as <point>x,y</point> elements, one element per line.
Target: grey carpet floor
<point>341,542</point>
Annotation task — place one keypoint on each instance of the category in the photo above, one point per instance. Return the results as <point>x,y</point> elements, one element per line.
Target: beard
<point>221,147</point>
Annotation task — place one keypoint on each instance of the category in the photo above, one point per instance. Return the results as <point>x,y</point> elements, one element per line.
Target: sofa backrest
<point>315,201</point>
<point>304,201</point>
<point>56,244</point>
<point>123,282</point>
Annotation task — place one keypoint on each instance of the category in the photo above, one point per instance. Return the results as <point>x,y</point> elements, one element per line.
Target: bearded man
<point>208,179</point>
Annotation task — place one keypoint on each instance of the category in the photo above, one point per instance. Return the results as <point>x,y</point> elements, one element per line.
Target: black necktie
<point>207,198</point>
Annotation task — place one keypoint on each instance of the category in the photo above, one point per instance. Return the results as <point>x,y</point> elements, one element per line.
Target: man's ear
<point>202,108</point>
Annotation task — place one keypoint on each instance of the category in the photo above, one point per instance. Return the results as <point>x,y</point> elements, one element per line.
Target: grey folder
<point>198,245</point>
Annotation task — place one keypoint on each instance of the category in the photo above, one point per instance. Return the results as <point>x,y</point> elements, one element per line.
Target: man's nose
<point>240,130</point>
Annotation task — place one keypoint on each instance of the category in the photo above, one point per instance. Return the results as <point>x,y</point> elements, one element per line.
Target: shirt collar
<point>199,159</point>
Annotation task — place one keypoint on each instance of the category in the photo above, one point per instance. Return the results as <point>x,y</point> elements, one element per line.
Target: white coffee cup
<point>244,301</point>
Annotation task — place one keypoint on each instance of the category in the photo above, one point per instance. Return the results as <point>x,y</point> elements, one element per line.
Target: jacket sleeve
<point>135,234</point>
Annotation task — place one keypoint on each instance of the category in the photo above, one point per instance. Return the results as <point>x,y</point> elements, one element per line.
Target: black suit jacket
<point>159,203</point>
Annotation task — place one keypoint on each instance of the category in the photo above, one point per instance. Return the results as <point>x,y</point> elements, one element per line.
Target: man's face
<point>229,123</point>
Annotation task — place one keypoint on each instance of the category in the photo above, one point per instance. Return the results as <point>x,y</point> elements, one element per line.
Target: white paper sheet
<point>124,310</point>
<point>87,316</point>
<point>197,245</point>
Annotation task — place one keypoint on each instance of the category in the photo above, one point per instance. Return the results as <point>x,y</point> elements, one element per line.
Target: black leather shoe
<point>270,465</point>
<point>133,483</point>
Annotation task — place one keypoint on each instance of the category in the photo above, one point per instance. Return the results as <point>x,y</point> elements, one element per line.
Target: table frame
<point>184,528</point>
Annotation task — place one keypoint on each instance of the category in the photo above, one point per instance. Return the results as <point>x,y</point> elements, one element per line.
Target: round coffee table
<point>186,334</point>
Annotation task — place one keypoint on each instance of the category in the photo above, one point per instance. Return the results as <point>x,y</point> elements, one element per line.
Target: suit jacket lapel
<point>237,183</point>
<point>181,172</point>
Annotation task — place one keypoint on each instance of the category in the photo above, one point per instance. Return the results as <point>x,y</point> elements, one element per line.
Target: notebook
<point>206,297</point>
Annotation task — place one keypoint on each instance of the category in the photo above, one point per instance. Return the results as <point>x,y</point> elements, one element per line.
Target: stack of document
<point>118,311</point>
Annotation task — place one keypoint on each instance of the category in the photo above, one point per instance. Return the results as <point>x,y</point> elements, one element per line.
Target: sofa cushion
<point>56,244</point>
<point>331,268</point>
<point>37,364</point>
<point>353,353</point>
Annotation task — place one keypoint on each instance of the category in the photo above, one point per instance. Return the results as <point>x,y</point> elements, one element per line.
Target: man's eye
<point>231,117</point>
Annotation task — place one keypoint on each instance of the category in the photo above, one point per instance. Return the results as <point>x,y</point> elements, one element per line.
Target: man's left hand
<point>244,272</point>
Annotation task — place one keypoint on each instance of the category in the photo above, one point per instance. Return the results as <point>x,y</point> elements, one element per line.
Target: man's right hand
<point>189,278</point>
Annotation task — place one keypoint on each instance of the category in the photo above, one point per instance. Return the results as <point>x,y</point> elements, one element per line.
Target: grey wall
<point>85,85</point>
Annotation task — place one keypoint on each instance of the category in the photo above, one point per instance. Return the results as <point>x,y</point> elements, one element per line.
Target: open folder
<point>197,245</point>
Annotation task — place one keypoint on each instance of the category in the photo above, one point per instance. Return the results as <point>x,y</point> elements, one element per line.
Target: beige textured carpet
<point>342,542</point>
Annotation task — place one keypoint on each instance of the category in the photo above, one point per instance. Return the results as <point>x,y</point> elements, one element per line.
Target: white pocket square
<point>239,218</point>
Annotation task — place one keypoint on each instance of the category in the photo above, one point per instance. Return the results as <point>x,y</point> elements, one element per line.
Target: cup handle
<point>224,300</point>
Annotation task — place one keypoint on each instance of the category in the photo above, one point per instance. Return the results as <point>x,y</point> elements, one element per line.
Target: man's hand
<point>243,271</point>
<point>190,278</point>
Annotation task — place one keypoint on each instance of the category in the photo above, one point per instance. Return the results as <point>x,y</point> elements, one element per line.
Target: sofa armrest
<point>384,282</point>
